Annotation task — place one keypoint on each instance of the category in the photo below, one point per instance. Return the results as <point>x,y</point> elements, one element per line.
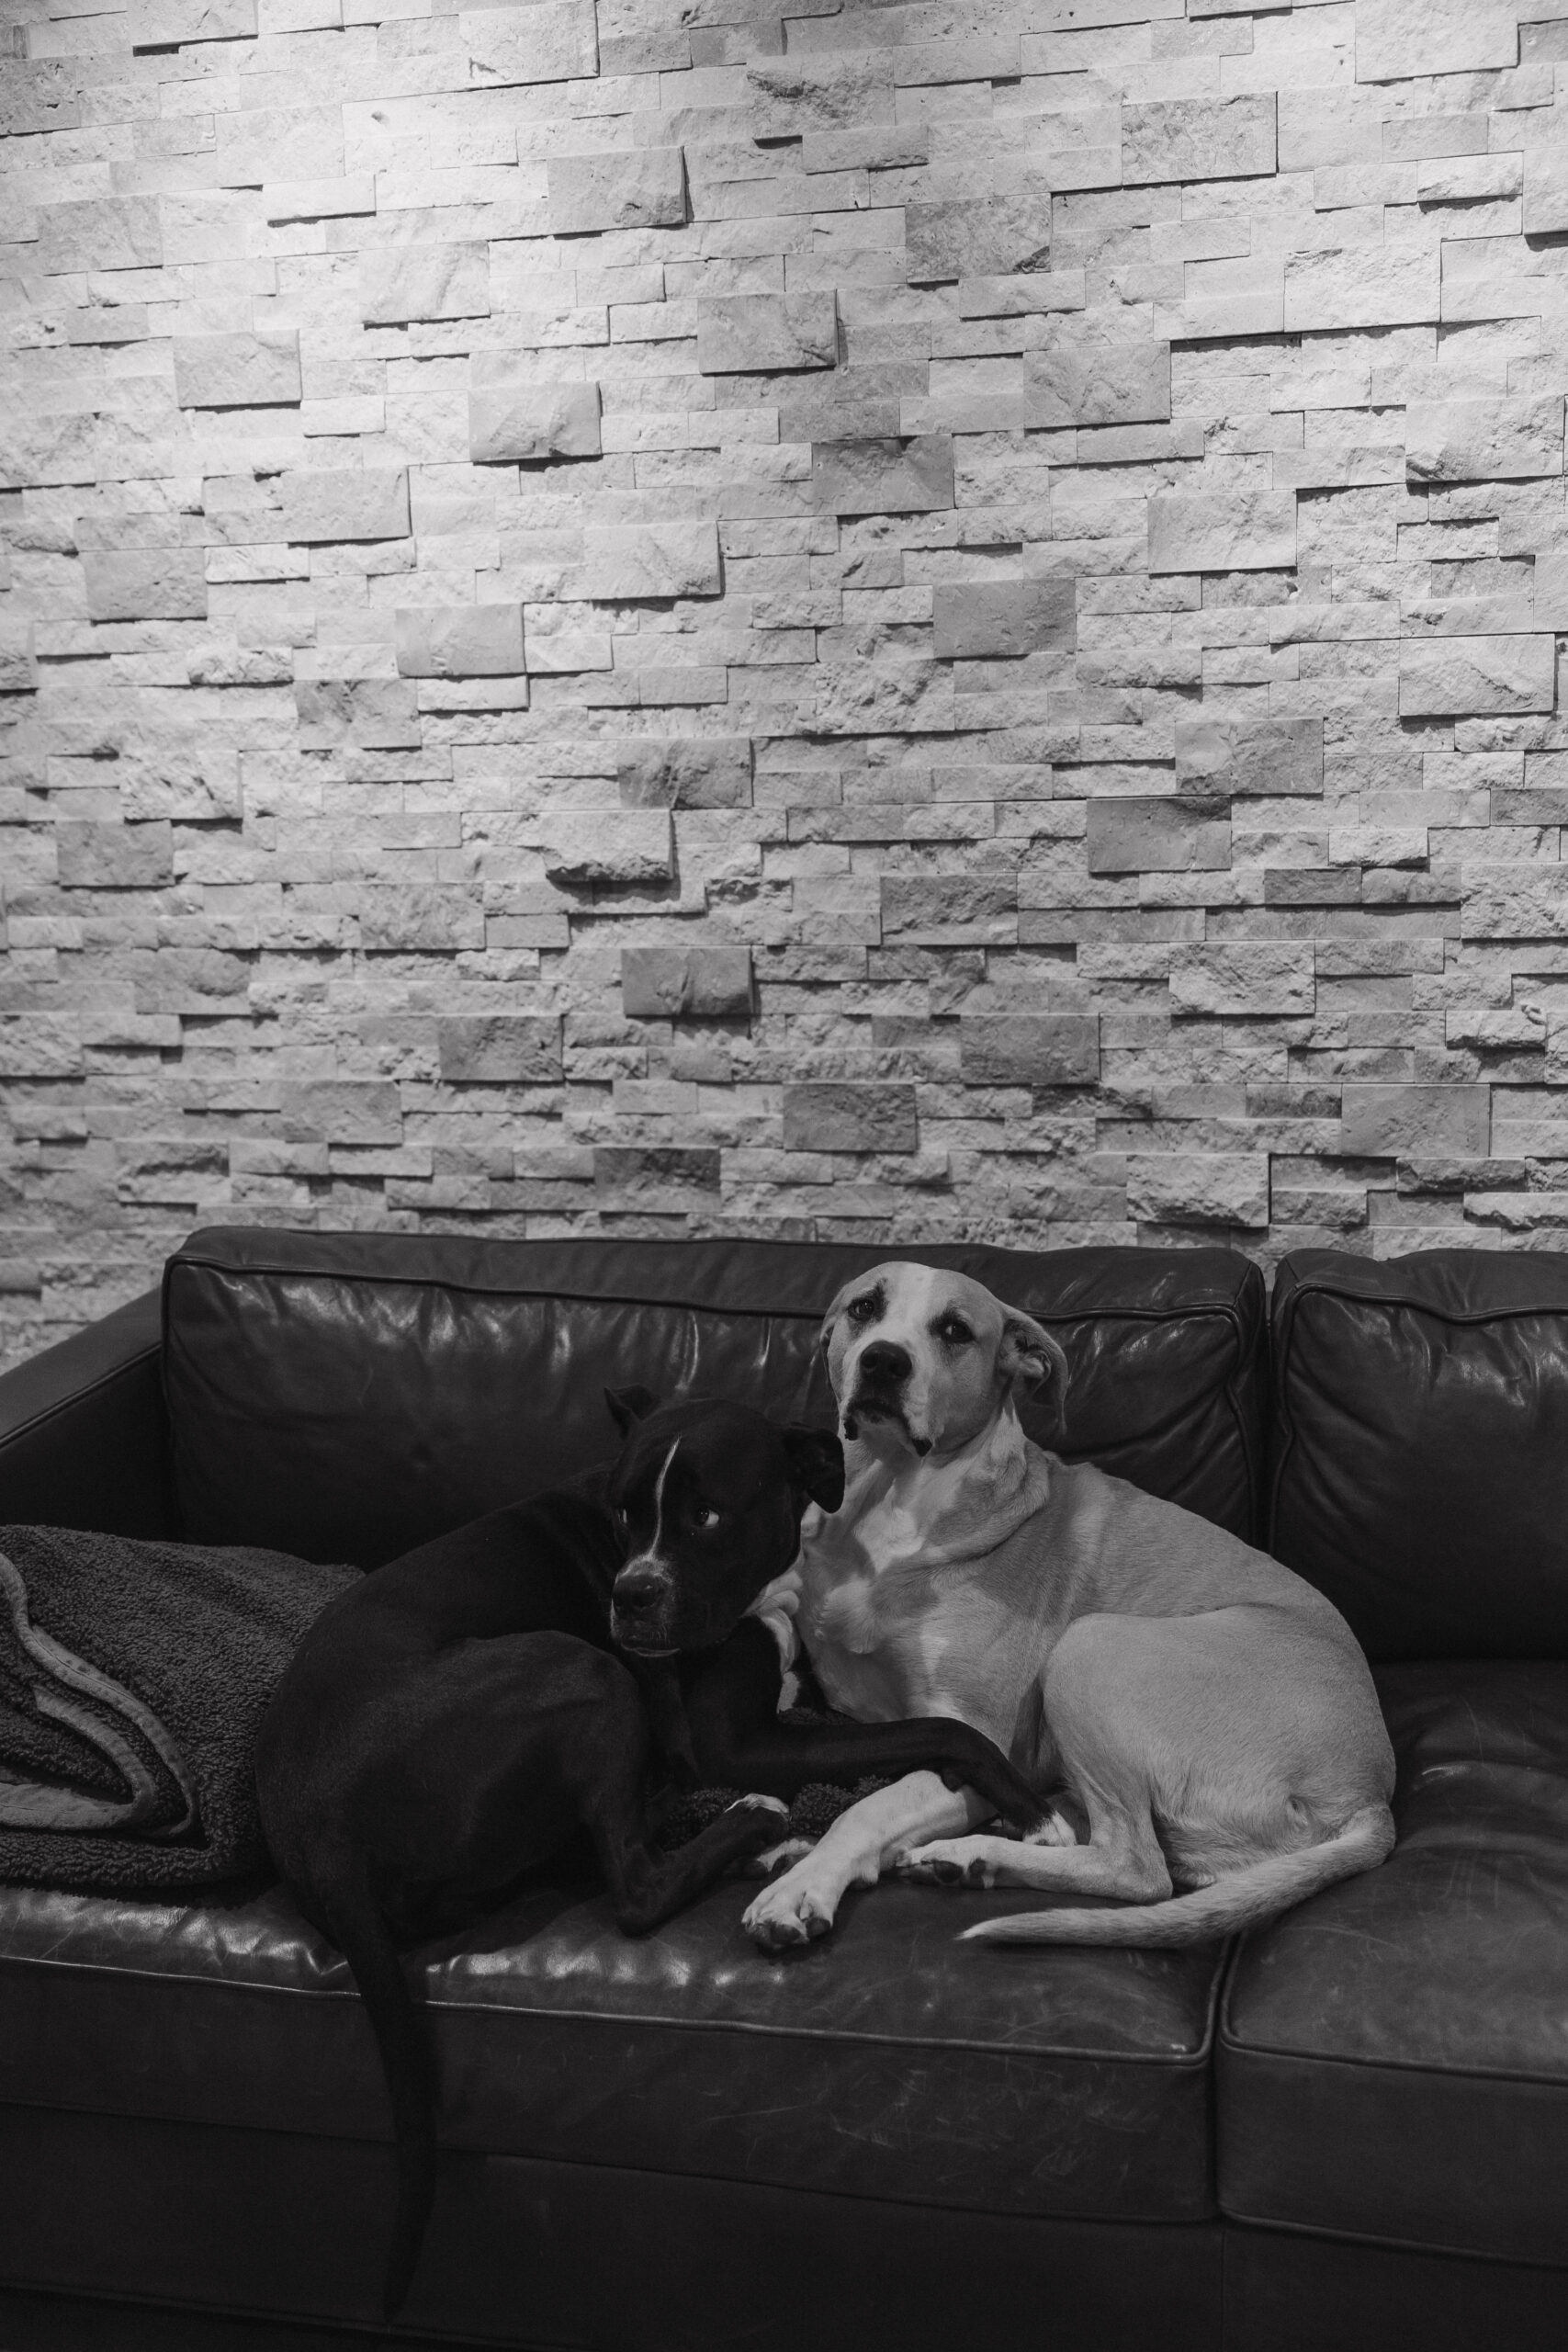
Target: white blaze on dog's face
<point>922,1359</point>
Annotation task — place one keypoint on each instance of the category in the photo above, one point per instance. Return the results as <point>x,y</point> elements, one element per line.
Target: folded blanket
<point>133,1677</point>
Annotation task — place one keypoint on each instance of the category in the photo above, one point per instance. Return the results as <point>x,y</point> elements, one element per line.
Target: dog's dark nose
<point>885,1360</point>
<point>637,1590</point>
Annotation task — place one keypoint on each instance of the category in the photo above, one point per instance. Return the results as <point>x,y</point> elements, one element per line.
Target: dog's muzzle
<point>874,1402</point>
<point>640,1603</point>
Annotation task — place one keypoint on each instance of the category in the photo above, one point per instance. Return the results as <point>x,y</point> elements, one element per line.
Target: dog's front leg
<point>802,1904</point>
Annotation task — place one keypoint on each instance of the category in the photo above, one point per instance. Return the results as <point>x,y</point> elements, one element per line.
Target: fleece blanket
<point>133,1677</point>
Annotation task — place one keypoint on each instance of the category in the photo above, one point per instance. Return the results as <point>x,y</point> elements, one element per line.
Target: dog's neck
<point>955,1506</point>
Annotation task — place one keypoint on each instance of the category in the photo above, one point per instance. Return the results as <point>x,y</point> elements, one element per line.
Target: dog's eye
<point>703,1517</point>
<point>956,1334</point>
<point>861,1310</point>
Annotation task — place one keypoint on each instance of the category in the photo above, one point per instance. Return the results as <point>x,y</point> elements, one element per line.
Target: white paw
<point>949,1861</point>
<point>756,1802</point>
<point>795,1909</point>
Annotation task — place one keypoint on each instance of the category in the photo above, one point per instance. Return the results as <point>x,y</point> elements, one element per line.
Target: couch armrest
<point>84,1436</point>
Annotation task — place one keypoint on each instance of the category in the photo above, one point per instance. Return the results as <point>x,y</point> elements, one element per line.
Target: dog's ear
<point>817,1463</point>
<point>1028,1353</point>
<point>629,1406</point>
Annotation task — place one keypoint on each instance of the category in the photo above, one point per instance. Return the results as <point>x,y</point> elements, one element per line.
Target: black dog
<point>449,1723</point>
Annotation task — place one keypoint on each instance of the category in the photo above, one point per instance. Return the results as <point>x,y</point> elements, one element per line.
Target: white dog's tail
<point>1239,1900</point>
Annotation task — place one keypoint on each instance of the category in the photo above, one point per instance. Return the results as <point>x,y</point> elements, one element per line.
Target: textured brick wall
<point>908,620</point>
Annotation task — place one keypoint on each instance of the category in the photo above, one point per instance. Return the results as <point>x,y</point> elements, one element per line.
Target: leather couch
<point>1351,2130</point>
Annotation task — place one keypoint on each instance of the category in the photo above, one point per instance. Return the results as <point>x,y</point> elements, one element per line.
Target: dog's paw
<point>949,1861</point>
<point>756,1802</point>
<point>792,1910</point>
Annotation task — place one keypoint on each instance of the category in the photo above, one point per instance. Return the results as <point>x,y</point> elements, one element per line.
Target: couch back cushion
<point>1419,1452</point>
<point>348,1396</point>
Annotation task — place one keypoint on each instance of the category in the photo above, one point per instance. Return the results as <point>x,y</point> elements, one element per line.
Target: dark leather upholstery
<point>84,1440</point>
<point>1286,2292</point>
<point>1393,2058</point>
<point>1420,1447</point>
<point>676,2146</point>
<point>549,2256</point>
<point>346,1396</point>
<point>894,2062</point>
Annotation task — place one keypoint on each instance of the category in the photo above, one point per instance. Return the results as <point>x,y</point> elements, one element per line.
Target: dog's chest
<point>884,1636</point>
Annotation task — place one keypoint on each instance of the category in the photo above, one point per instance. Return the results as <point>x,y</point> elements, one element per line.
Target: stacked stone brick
<point>894,621</point>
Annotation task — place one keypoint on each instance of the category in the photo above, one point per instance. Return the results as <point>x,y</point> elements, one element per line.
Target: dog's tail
<point>350,1914</point>
<point>1237,1901</point>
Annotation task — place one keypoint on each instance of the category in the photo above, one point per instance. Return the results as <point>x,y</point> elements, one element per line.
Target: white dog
<point>1207,1715</point>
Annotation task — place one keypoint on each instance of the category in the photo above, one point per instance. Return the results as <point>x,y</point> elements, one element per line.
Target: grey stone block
<point>1094,369</point>
<point>1546,192</point>
<point>693,983</point>
<point>276,144</point>
<point>1197,139</point>
<point>418,918</point>
<point>158,24</point>
<point>1198,1188</point>
<point>18,662</point>
<point>1263,978</point>
<point>1393,1121</point>
<point>511,423</point>
<point>551,40</point>
<point>632,562</point>
<point>114,857</point>
<point>342,1111</point>
<point>145,583</point>
<point>1482,440</point>
<point>1260,756</point>
<point>1361,286</point>
<point>767,334</point>
<point>1002,620</point>
<point>686,772</point>
<point>460,640</point>
<point>1030,1049</point>
<point>401,282</point>
<point>368,504</point>
<point>375,714</point>
<point>1244,529</point>
<point>618,846</point>
<point>37,1045</point>
<point>983,236</point>
<point>825,1115</point>
<point>100,232</point>
<point>889,475</point>
<point>237,370</point>
<point>976,908</point>
<point>657,1168</point>
<point>1163,834</point>
<point>1443,677</point>
<point>499,1049</point>
<point>638,188</point>
<point>1398,39</point>
<point>1515,900</point>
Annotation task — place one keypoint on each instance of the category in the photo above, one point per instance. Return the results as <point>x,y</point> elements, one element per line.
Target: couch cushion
<point>892,2062</point>
<point>345,1397</point>
<point>1420,1447</point>
<point>1393,2056</point>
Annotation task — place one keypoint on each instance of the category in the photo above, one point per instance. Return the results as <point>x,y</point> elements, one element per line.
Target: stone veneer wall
<point>900,621</point>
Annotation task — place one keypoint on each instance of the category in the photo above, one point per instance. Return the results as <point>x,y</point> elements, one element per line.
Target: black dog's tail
<point>350,1915</point>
